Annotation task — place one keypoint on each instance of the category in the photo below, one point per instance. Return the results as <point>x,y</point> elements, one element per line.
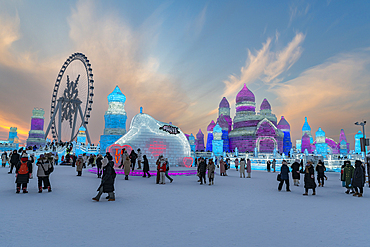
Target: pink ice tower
<point>343,141</point>
<point>224,109</point>
<point>199,142</point>
<point>306,143</point>
<point>210,135</point>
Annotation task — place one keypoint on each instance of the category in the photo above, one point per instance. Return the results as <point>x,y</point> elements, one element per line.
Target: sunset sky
<point>177,59</point>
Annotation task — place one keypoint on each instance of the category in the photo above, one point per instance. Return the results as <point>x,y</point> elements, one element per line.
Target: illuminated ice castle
<point>115,119</point>
<point>36,134</point>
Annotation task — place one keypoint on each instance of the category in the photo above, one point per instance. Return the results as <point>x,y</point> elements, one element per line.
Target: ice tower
<point>285,128</point>
<point>210,136</point>
<point>199,142</point>
<point>115,120</point>
<point>13,136</point>
<point>306,129</point>
<point>321,145</point>
<point>36,136</point>
<point>225,132</point>
<point>217,143</point>
<point>224,109</point>
<point>192,142</point>
<point>306,143</point>
<point>342,140</point>
<point>81,136</point>
<point>358,136</point>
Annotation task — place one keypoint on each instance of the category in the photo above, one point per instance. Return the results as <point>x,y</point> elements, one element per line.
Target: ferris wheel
<point>72,99</point>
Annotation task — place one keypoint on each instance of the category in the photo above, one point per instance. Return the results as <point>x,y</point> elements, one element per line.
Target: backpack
<point>23,169</point>
<point>50,170</point>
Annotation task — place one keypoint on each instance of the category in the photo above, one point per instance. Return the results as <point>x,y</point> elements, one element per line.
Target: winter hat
<point>24,155</point>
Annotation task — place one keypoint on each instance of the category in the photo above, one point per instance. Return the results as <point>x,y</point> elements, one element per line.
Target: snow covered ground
<point>233,212</point>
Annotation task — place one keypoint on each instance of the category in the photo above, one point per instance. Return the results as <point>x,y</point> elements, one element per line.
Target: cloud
<point>265,65</point>
<point>297,9</point>
<point>333,94</point>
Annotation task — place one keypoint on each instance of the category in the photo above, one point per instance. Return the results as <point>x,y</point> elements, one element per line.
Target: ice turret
<point>199,142</point>
<point>210,135</point>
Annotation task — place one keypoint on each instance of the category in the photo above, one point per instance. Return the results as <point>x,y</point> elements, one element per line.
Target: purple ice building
<point>199,142</point>
<point>210,136</point>
<point>36,136</point>
<point>252,130</point>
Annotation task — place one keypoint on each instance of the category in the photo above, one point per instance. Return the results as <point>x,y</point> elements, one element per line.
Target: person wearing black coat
<point>284,173</point>
<point>133,157</point>
<point>146,167</point>
<point>107,181</point>
<point>309,179</point>
<point>14,160</point>
<point>320,168</point>
<point>99,164</point>
<point>295,172</point>
<point>358,180</point>
<point>23,171</point>
<point>202,171</point>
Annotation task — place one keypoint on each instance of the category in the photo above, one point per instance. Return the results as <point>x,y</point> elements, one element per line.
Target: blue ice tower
<point>307,129</point>
<point>284,126</point>
<point>321,145</point>
<point>225,132</point>
<point>358,136</point>
<point>217,142</point>
<point>115,120</point>
<point>192,143</point>
<point>81,136</point>
<point>210,136</point>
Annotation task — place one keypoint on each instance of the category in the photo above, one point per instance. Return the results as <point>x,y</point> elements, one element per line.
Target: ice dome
<point>224,103</point>
<point>306,127</point>
<point>217,129</point>
<point>245,95</point>
<point>200,135</point>
<point>117,96</point>
<point>283,124</point>
<point>223,123</point>
<point>320,132</point>
<point>156,138</point>
<point>265,105</point>
<point>211,126</point>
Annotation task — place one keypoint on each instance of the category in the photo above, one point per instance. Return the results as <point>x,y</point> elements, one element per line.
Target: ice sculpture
<point>224,109</point>
<point>321,145</point>
<point>225,132</point>
<point>81,136</point>
<point>358,136</point>
<point>199,142</point>
<point>306,145</point>
<point>115,119</point>
<point>284,126</point>
<point>36,136</point>
<point>252,130</point>
<point>217,143</point>
<point>154,138</point>
<point>342,137</point>
<point>192,142</point>
<point>210,136</point>
<point>306,129</point>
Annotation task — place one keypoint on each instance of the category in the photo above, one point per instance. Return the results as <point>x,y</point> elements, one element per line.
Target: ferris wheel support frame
<point>77,105</point>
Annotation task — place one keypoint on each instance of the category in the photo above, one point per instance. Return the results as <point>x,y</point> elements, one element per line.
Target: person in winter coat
<point>268,166</point>
<point>211,171</point>
<point>358,180</point>
<point>167,169</point>
<point>146,167</point>
<point>158,163</point>
<point>202,171</point>
<point>43,165</point>
<point>79,165</point>
<point>309,178</point>
<point>249,168</point>
<point>341,175</point>
<point>236,164</point>
<point>242,168</point>
<point>284,173</point>
<point>14,160</point>
<point>222,167</point>
<point>84,158</point>
<point>4,159</point>
<point>107,181</point>
<point>320,169</point>
<point>139,158</point>
<point>274,165</point>
<point>126,167</point>
<point>23,171</point>
<point>348,175</point>
<point>133,157</point>
<point>162,171</point>
<point>295,172</point>
<point>99,164</point>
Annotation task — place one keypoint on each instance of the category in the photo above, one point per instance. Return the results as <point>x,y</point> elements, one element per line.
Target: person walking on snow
<point>249,168</point>
<point>295,172</point>
<point>107,181</point>
<point>14,160</point>
<point>43,165</point>
<point>320,169</point>
<point>162,171</point>
<point>202,171</point>
<point>222,167</point>
<point>167,169</point>
<point>146,167</point>
<point>126,167</point>
<point>309,178</point>
<point>242,168</point>
<point>347,176</point>
<point>211,171</point>
<point>284,173</point>
<point>274,165</point>
<point>139,158</point>
<point>79,165</point>
<point>358,180</point>
<point>236,164</point>
<point>23,172</point>
<point>4,158</point>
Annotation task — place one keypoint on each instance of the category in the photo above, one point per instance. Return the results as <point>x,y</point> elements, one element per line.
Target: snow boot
<point>25,191</point>
<point>40,189</point>
<point>359,194</point>
<point>49,189</point>
<point>212,182</point>
<point>95,199</point>
<point>347,192</point>
<point>355,194</point>
<point>111,200</point>
<point>319,184</point>
<point>18,190</point>
<point>305,194</point>
<point>313,193</point>
<point>171,180</point>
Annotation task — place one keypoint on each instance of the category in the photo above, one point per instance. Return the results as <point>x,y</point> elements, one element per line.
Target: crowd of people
<point>353,178</point>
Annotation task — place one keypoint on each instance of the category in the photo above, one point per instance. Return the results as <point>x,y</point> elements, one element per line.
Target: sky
<point>177,59</point>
